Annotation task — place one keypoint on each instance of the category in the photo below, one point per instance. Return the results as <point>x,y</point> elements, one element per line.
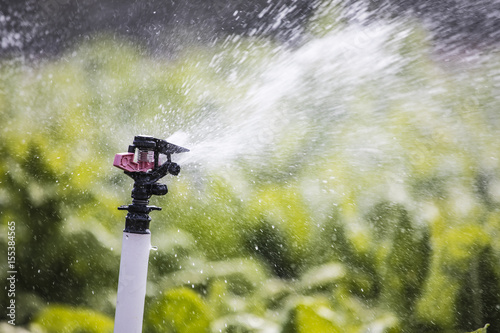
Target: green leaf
<point>63,319</point>
<point>482,330</point>
<point>312,317</point>
<point>181,311</point>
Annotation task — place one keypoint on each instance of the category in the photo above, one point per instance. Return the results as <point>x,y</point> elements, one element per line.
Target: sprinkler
<point>143,164</point>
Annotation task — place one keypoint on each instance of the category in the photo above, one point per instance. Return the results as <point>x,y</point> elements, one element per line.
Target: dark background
<point>44,28</point>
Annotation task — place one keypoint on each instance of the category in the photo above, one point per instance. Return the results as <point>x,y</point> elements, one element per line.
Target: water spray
<point>143,164</point>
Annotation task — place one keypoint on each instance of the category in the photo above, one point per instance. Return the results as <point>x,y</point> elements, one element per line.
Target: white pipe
<point>132,282</point>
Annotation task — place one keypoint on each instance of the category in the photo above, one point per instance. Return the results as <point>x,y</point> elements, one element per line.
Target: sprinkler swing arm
<point>142,164</point>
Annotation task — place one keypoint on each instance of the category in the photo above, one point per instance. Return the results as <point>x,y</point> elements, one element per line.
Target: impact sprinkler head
<point>143,155</point>
<point>142,164</point>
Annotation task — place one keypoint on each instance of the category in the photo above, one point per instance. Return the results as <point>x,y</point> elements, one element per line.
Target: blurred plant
<point>367,205</point>
<point>62,319</point>
<point>482,330</point>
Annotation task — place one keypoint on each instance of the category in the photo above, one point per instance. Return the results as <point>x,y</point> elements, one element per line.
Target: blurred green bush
<point>306,239</point>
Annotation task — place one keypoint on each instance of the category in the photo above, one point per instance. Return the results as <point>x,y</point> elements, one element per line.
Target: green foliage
<point>62,319</point>
<point>379,217</point>
<point>179,310</point>
<point>314,317</point>
<point>482,330</point>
